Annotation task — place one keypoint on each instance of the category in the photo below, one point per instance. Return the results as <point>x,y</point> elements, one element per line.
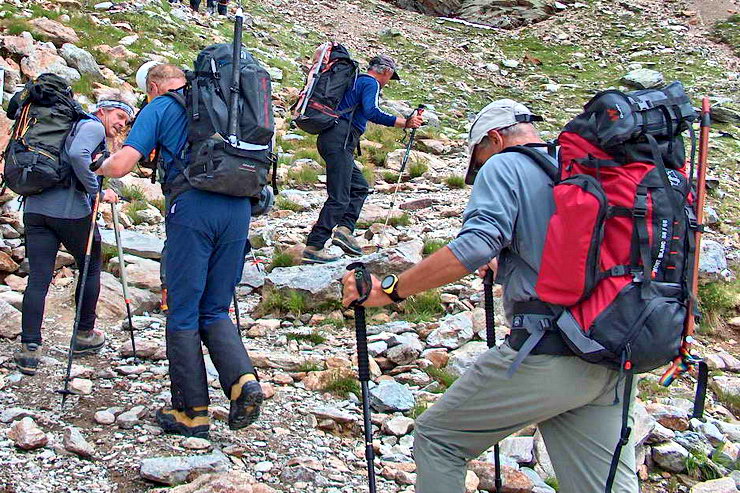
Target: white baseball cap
<point>143,72</point>
<point>499,114</point>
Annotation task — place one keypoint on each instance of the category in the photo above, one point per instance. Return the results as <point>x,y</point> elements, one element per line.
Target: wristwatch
<point>389,285</point>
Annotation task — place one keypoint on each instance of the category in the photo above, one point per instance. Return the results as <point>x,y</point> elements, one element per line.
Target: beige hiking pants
<point>571,399</point>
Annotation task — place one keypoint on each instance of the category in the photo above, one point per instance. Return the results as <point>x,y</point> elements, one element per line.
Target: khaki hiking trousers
<point>571,400</point>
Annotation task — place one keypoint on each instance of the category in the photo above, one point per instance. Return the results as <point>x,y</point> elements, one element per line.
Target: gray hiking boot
<point>27,358</point>
<point>88,342</point>
<point>344,239</point>
<point>313,255</point>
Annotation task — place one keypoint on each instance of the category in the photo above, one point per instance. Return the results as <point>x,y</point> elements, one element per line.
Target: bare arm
<point>438,269</point>
<point>121,163</point>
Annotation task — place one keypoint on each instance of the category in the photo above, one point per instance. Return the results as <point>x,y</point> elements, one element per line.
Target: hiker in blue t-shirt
<point>346,186</point>
<point>206,239</point>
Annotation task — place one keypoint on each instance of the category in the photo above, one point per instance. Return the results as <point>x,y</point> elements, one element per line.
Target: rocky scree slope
<point>302,342</point>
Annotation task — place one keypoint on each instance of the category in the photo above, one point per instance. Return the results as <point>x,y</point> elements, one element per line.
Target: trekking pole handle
<point>363,281</point>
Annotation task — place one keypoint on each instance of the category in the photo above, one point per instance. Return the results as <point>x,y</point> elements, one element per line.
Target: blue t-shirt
<point>162,123</point>
<point>364,95</point>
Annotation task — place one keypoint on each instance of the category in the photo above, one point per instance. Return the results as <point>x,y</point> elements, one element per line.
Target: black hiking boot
<point>344,239</point>
<point>246,399</point>
<point>190,422</point>
<point>313,255</point>
<point>27,358</point>
<point>88,342</point>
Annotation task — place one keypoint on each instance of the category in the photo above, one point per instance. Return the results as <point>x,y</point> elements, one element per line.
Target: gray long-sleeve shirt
<point>65,202</point>
<point>507,217</point>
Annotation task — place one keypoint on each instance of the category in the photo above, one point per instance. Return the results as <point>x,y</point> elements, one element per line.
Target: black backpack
<point>209,162</point>
<point>45,113</point>
<point>332,74</point>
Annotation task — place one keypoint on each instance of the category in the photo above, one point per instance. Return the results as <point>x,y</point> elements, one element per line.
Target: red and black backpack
<point>619,252</point>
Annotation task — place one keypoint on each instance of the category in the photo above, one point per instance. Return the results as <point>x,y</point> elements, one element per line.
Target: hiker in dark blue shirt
<point>206,240</point>
<point>346,186</point>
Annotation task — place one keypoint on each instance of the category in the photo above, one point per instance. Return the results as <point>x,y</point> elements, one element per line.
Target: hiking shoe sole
<point>246,409</point>
<point>27,369</point>
<point>310,260</point>
<point>171,426</point>
<point>346,248</point>
<point>86,351</point>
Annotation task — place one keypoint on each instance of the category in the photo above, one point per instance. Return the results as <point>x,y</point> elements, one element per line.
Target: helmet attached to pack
<point>143,72</point>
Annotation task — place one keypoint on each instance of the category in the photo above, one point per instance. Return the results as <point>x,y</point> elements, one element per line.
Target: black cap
<point>386,61</point>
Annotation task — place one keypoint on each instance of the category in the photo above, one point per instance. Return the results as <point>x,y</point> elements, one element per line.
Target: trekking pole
<point>235,78</point>
<point>236,314</point>
<point>491,342</point>
<point>363,280</point>
<point>685,360</point>
<point>419,110</point>
<point>124,281</point>
<point>78,312</point>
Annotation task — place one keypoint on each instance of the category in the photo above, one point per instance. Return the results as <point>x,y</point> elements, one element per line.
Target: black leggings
<point>43,236</point>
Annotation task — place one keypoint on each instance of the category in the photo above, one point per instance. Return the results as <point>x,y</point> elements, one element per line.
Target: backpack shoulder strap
<point>540,159</point>
<point>177,97</point>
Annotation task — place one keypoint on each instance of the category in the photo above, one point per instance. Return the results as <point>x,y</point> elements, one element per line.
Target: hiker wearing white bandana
<point>61,216</point>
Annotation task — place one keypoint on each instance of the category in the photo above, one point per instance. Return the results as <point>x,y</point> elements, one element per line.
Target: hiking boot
<point>190,422</point>
<point>344,239</point>
<point>313,255</point>
<point>27,358</point>
<point>246,398</point>
<point>88,342</point>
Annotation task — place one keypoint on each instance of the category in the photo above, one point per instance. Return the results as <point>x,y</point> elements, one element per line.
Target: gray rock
<point>74,442</point>
<point>13,413</point>
<point>732,430</point>
<point>463,358</point>
<point>80,59</point>
<point>390,396</point>
<point>521,449</point>
<point>403,354</point>
<point>10,320</point>
<point>736,476</point>
<point>321,282</point>
<point>539,484</point>
<point>26,435</point>
<point>139,244</point>
<point>177,470</point>
<point>453,331</point>
<point>542,457</point>
<point>377,348</point>
<point>712,262</point>
<point>104,417</point>
<point>398,426</point>
<point>709,431</point>
<point>723,485</point>
<point>726,385</point>
<point>253,275</point>
<point>398,327</point>
<point>693,442</point>
<point>660,434</point>
<point>128,420</point>
<point>644,78</point>
<point>670,456</point>
<point>644,424</point>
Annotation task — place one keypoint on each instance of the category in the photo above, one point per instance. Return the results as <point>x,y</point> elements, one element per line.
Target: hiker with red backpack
<point>596,280</point>
<point>337,105</point>
<point>214,132</point>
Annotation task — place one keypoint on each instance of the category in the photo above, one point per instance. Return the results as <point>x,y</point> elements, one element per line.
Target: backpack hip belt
<point>534,330</point>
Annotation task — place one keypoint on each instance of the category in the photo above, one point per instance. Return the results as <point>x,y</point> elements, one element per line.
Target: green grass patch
<point>108,252</point>
<point>15,26</point>
<point>39,11</point>
<point>395,221</point>
<point>257,241</point>
<point>717,301</point>
<point>280,258</point>
<point>84,85</point>
<point>336,322</point>
<point>368,172</point>
<point>159,204</point>
<point>133,193</point>
<point>390,177</point>
<point>281,303</point>
<point>649,390</point>
<point>133,210</point>
<point>455,181</point>
<point>442,376</point>
<point>431,245</point>
<point>700,466</point>
<point>287,204</point>
<point>423,307</point>
<point>314,337</point>
<point>417,169</point>
<point>552,482</point>
<point>308,153</point>
<point>417,410</point>
<point>730,401</point>
<point>728,31</point>
<point>309,366</point>
<point>342,386</point>
<point>305,175</point>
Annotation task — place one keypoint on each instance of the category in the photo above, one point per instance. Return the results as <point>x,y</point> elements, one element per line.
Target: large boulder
<point>12,72</point>
<point>463,358</point>
<point>321,282</point>
<point>18,45</point>
<point>390,396</point>
<point>229,482</point>
<point>453,331</point>
<point>54,31</point>
<point>111,304</point>
<point>45,59</point>
<point>80,59</point>
<point>723,485</point>
<point>712,261</point>
<point>138,244</point>
<point>140,272</point>
<point>643,78</point>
